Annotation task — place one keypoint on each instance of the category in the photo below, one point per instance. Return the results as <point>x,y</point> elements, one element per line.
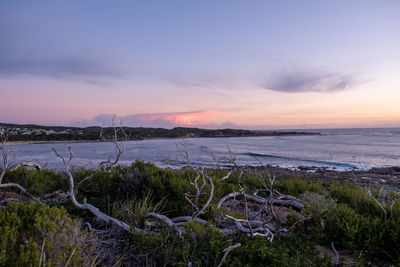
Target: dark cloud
<point>311,81</point>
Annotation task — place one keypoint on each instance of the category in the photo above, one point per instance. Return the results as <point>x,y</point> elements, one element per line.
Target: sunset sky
<point>209,64</point>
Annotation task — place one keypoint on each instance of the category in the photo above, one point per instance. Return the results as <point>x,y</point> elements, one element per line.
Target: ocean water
<point>339,149</point>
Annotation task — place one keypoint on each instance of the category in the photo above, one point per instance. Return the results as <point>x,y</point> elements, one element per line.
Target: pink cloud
<point>181,118</point>
<point>164,120</point>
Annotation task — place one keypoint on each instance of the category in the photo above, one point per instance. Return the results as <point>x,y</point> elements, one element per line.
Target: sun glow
<point>182,118</point>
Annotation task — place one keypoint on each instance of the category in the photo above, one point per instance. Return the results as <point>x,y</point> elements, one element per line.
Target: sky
<point>209,64</point>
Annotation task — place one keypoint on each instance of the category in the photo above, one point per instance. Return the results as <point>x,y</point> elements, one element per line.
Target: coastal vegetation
<point>52,230</point>
<point>143,215</point>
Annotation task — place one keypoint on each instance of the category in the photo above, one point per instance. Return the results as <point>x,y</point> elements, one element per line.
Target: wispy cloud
<point>70,68</point>
<point>298,81</point>
<point>35,50</point>
<point>163,120</point>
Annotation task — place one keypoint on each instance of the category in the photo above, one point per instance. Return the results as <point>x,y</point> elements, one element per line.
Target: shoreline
<point>47,142</point>
<point>28,142</point>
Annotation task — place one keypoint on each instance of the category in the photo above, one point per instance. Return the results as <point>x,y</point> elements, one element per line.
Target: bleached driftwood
<point>28,164</point>
<point>188,219</point>
<point>295,203</point>
<point>164,219</point>
<point>227,251</point>
<point>202,210</point>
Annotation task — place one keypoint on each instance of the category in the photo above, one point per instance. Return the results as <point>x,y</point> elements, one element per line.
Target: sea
<point>336,149</point>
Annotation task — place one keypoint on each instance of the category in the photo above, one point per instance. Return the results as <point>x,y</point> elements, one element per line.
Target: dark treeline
<point>30,132</point>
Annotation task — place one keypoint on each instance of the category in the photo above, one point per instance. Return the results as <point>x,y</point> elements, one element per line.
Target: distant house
<point>67,131</point>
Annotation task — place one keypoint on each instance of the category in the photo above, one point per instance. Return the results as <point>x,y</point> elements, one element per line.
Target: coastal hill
<point>30,132</point>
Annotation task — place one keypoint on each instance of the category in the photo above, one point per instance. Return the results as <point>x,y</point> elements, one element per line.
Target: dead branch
<point>227,176</point>
<point>202,210</point>
<point>198,190</point>
<point>95,211</point>
<point>28,164</point>
<point>369,194</point>
<point>164,219</point>
<point>246,210</point>
<point>188,219</point>
<point>183,152</point>
<point>200,173</point>
<point>264,230</point>
<point>20,188</point>
<point>285,202</point>
<point>294,225</point>
<point>5,156</point>
<point>227,251</point>
<point>368,191</point>
<point>119,150</point>
<point>253,223</point>
<point>337,262</point>
<point>23,190</point>
<point>229,160</point>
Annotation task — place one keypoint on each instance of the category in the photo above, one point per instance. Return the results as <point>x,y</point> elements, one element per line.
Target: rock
<point>306,168</point>
<point>386,171</point>
<point>396,169</point>
<point>283,212</point>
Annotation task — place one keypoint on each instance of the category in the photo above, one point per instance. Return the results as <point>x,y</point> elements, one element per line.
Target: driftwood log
<point>28,164</point>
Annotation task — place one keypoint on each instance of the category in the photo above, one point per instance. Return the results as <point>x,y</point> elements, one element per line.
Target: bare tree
<point>118,151</point>
<point>5,156</point>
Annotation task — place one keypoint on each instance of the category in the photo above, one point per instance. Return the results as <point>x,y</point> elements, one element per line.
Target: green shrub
<point>171,186</point>
<point>354,197</point>
<point>202,245</point>
<point>282,251</point>
<point>27,227</point>
<point>340,213</point>
<point>132,211</point>
<point>297,186</point>
<point>355,231</point>
<point>38,183</point>
<point>316,205</point>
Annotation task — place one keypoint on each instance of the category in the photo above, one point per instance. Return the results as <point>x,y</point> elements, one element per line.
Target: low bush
<point>340,213</point>
<point>292,251</point>
<point>132,211</point>
<point>38,183</point>
<point>353,230</point>
<point>297,186</point>
<point>32,233</point>
<point>204,246</point>
<point>355,197</point>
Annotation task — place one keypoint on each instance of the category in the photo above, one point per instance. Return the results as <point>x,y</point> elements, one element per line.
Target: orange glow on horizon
<point>183,118</point>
